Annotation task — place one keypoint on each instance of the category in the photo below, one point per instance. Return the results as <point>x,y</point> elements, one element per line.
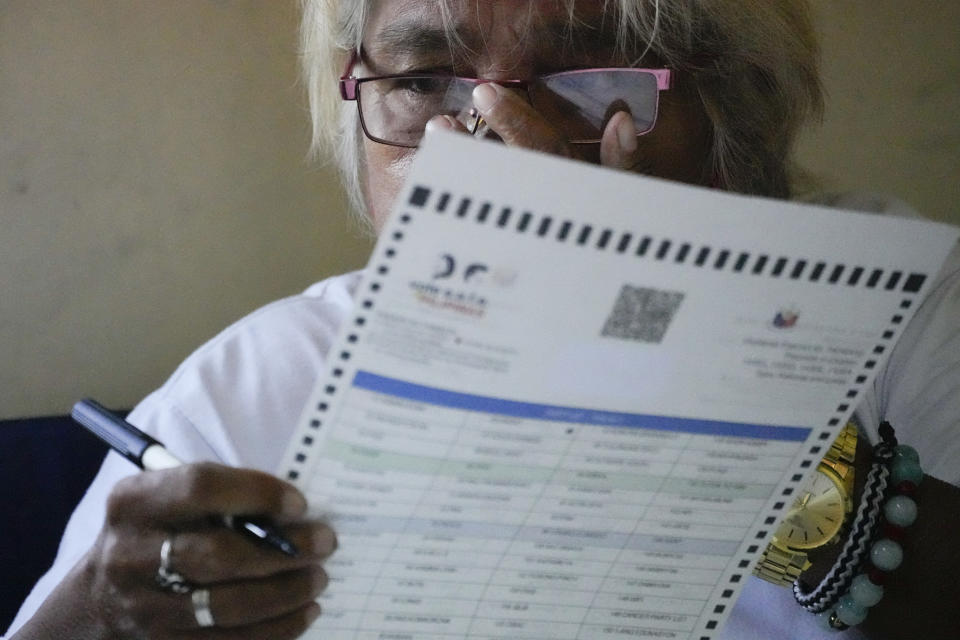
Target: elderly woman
<point>744,79</point>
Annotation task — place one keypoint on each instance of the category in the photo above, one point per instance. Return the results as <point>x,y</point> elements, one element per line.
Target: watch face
<point>815,516</point>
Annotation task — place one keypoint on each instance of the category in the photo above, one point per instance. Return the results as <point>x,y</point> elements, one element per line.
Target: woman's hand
<point>255,591</point>
<point>517,123</point>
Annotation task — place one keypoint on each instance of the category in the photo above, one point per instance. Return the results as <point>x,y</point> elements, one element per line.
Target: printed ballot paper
<point>573,402</point>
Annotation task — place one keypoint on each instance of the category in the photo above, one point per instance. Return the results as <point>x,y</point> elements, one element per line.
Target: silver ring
<point>168,578</point>
<point>201,607</point>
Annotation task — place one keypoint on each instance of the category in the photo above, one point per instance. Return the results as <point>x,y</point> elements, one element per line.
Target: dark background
<point>46,465</point>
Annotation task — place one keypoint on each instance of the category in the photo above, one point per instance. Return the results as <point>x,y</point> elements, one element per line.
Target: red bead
<point>877,576</point>
<point>895,533</point>
<point>906,487</point>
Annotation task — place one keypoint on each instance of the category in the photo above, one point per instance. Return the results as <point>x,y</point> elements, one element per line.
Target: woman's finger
<point>516,122</point>
<point>186,494</point>
<point>285,627</point>
<point>618,146</point>
<point>445,123</point>
<point>218,554</point>
<point>249,602</point>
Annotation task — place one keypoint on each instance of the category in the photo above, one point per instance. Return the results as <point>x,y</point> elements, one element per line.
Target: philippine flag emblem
<point>785,318</point>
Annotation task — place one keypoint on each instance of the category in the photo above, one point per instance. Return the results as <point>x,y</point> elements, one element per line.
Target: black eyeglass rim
<point>350,91</point>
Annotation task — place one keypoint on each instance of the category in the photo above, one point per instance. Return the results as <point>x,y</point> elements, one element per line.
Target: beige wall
<point>153,189</point>
<point>892,74</point>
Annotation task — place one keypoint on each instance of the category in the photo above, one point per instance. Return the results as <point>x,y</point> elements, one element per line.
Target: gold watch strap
<point>841,455</point>
<point>781,567</point>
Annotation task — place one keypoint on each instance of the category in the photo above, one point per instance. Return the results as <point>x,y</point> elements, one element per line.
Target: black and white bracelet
<point>852,586</point>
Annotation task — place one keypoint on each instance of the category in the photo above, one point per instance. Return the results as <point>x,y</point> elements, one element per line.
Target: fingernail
<point>293,503</point>
<point>320,581</point>
<point>439,123</point>
<point>485,96</point>
<point>627,134</point>
<point>324,542</point>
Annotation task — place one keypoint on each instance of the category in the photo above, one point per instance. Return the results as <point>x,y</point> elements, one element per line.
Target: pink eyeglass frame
<point>349,83</point>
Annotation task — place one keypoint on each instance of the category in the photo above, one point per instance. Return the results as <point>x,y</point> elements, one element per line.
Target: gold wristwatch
<point>818,515</point>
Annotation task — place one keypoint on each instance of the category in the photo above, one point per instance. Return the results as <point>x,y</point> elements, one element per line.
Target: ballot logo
<point>786,318</point>
<point>461,285</point>
<point>474,273</point>
<point>447,269</point>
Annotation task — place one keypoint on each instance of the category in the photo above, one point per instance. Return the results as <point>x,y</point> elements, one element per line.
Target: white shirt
<point>237,400</point>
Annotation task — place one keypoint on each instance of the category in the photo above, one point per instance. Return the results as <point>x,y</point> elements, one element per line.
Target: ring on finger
<point>166,576</point>
<point>201,607</point>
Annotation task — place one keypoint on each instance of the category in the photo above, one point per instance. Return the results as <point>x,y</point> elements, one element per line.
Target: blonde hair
<point>753,63</point>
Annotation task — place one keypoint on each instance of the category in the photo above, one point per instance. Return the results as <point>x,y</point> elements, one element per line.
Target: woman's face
<point>517,39</point>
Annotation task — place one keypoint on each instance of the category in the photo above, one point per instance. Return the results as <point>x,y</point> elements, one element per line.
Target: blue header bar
<point>486,404</point>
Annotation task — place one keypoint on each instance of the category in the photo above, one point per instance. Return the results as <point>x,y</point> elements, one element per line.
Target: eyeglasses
<point>394,109</point>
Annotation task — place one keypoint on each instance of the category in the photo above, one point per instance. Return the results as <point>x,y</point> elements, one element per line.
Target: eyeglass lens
<point>577,103</point>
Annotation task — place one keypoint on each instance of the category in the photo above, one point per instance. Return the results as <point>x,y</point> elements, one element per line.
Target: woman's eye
<point>421,85</point>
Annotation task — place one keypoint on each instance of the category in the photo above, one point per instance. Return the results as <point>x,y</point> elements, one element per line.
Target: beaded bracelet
<point>851,587</point>
<point>857,546</point>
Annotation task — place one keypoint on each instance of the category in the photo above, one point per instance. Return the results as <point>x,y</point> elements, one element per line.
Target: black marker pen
<point>148,454</point>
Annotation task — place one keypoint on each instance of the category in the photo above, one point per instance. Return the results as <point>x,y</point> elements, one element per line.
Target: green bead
<point>864,592</point>
<point>900,510</point>
<point>904,469</point>
<point>886,554</point>
<point>907,452</point>
<point>849,612</point>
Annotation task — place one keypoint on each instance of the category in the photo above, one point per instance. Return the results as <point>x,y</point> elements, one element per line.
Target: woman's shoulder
<point>284,322</point>
<point>236,397</point>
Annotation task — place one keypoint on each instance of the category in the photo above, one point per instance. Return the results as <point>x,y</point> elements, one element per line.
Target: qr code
<point>642,314</point>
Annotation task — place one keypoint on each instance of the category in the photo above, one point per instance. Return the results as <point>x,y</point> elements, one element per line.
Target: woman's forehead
<point>543,28</point>
<point>484,10</point>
